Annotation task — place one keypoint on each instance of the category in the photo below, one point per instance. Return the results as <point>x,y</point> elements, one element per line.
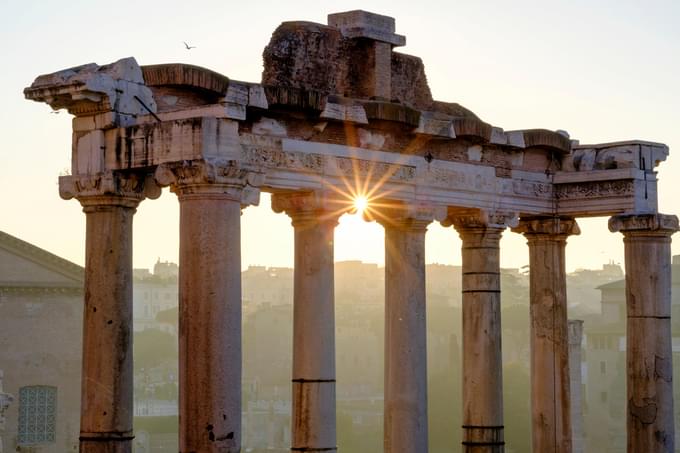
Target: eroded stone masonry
<point>340,113</point>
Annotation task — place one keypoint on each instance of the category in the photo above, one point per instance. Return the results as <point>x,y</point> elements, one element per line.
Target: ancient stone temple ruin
<point>339,114</point>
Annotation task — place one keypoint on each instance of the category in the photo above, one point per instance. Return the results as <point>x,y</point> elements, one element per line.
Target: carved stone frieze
<point>212,177</point>
<point>559,227</point>
<point>662,223</point>
<point>109,188</point>
<point>594,189</point>
<point>276,158</point>
<point>372,169</point>
<point>475,180</point>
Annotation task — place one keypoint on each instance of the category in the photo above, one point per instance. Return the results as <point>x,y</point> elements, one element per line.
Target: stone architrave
<point>575,382</point>
<point>314,219</point>
<point>482,353</point>
<point>550,401</point>
<point>649,354</point>
<point>210,195</point>
<point>109,201</point>
<point>405,409</point>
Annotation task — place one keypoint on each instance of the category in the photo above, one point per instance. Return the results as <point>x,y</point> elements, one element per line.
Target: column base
<point>483,439</point>
<point>106,443</point>
<point>315,449</point>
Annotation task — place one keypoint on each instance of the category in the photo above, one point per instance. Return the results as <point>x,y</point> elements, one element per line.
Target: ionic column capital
<point>108,189</point>
<point>547,228</point>
<point>474,219</point>
<point>211,178</point>
<point>644,224</point>
<point>310,207</point>
<point>415,216</point>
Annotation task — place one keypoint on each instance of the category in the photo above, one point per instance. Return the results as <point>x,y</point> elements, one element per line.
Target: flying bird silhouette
<point>56,112</point>
<point>188,46</point>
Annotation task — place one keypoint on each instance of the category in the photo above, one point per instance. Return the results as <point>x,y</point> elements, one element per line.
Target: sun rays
<point>364,183</point>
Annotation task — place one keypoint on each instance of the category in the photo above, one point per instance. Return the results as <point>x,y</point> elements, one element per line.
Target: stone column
<point>482,357</point>
<point>210,195</point>
<point>575,382</point>
<point>649,354</point>
<point>313,423</point>
<point>551,418</point>
<point>405,420</point>
<point>109,201</point>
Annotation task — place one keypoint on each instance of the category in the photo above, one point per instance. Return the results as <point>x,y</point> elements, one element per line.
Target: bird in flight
<point>56,112</point>
<point>188,46</point>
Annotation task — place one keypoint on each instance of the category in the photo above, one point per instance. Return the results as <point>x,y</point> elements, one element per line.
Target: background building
<point>604,366</point>
<point>41,303</point>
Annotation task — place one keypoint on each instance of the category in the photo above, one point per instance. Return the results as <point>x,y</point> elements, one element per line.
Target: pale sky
<point>603,72</point>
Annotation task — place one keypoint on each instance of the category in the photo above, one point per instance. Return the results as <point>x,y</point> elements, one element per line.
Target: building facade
<point>41,303</point>
<point>604,366</point>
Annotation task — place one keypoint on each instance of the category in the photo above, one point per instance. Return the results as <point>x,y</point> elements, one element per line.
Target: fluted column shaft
<point>550,398</point>
<point>649,353</point>
<point>482,357</point>
<point>405,424</point>
<point>314,417</point>
<point>109,201</point>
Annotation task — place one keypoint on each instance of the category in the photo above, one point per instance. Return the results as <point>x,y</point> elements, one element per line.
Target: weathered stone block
<point>362,24</point>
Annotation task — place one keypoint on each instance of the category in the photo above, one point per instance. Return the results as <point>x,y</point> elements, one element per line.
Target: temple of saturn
<point>338,114</point>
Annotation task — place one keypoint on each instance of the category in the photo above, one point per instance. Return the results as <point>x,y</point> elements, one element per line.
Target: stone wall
<point>40,342</point>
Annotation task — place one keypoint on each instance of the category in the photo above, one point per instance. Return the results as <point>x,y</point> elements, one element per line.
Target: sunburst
<point>363,191</point>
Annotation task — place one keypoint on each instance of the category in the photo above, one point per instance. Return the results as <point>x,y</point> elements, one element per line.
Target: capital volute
<point>310,207</point>
<point>411,215</point>
<point>211,178</point>
<point>469,219</point>
<point>558,228</point>
<point>644,224</point>
<point>109,188</point>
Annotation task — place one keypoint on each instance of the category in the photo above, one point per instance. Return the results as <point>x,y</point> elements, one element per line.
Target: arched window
<point>37,414</point>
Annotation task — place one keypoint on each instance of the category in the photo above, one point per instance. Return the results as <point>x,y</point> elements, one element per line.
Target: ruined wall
<point>308,56</point>
<point>318,57</point>
<point>409,82</point>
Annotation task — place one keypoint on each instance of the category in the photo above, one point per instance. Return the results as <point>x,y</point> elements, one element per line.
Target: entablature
<point>316,133</point>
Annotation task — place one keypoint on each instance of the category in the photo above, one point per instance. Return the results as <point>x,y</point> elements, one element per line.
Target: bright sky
<point>603,72</point>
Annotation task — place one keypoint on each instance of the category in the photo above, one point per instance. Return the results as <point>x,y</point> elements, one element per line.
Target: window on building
<point>603,367</point>
<point>603,397</point>
<point>37,414</point>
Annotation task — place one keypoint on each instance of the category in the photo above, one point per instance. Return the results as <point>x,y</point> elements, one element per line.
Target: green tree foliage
<point>517,410</point>
<point>358,437</point>
<point>152,348</point>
